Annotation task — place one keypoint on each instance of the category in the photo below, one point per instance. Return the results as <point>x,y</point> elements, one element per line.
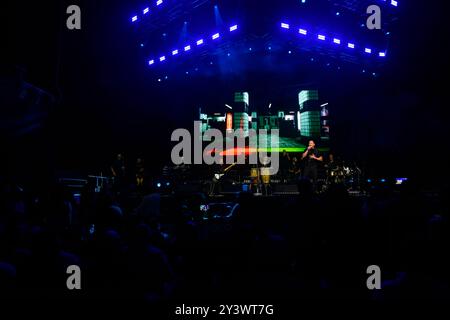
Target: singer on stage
<point>312,159</point>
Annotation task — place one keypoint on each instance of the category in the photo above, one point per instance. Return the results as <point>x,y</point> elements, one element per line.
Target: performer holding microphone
<point>313,158</point>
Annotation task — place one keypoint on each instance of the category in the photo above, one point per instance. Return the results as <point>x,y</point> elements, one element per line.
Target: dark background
<point>107,100</point>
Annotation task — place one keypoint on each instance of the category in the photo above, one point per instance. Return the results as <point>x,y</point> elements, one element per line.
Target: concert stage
<point>200,153</point>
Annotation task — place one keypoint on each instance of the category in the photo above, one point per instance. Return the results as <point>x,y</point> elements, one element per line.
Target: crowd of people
<point>162,248</point>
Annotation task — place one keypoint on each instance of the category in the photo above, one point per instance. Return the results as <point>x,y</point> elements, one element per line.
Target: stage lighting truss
<point>146,11</point>
<point>158,4</point>
<point>337,42</point>
<point>393,3</point>
<point>358,5</point>
<point>324,40</point>
<point>190,46</point>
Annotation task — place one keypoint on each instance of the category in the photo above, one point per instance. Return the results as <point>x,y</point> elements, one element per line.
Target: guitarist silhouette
<point>218,175</point>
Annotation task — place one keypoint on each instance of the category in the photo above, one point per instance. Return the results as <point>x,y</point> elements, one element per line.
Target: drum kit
<point>349,175</point>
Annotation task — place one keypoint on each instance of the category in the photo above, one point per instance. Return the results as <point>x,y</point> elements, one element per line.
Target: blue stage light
<point>383,180</point>
<point>134,19</point>
<point>145,11</point>
<point>369,180</point>
<point>304,32</point>
<point>159,2</point>
<point>394,3</point>
<point>158,185</point>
